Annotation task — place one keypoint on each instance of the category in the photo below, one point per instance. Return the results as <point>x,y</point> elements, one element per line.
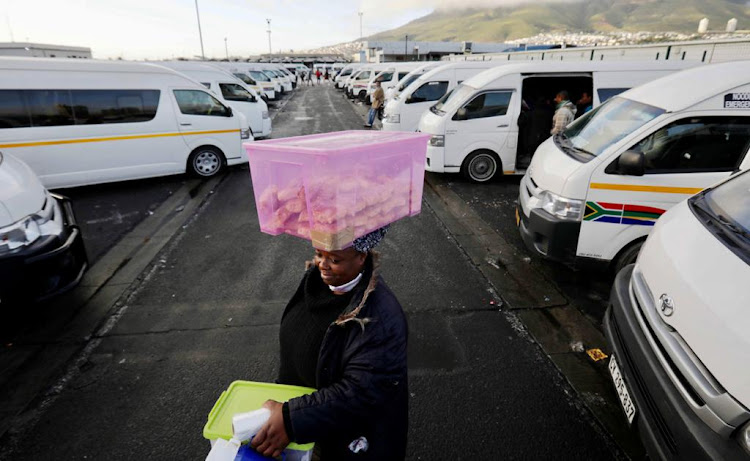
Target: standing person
<point>584,104</point>
<point>308,77</point>
<point>377,98</point>
<point>317,74</point>
<point>564,113</point>
<point>344,333</point>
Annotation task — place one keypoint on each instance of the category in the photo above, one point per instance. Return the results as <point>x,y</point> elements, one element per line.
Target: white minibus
<point>275,71</point>
<point>230,91</point>
<point>389,77</point>
<point>395,90</point>
<point>257,80</point>
<point>77,122</point>
<point>403,112</point>
<point>345,73</point>
<point>592,193</point>
<point>357,85</point>
<point>479,129</point>
<point>257,71</point>
<point>677,328</point>
<point>41,247</point>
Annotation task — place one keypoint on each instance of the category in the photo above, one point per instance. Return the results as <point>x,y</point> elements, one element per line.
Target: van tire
<point>205,162</point>
<point>481,166</point>
<point>627,256</point>
<point>362,95</point>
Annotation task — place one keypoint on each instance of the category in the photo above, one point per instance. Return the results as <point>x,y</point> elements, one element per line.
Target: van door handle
<point>503,126</point>
<point>186,124</point>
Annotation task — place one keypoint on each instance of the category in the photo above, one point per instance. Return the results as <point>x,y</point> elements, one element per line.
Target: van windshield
<point>456,98</point>
<point>244,78</point>
<point>438,108</point>
<point>269,74</point>
<point>725,210</point>
<point>260,76</point>
<point>407,81</point>
<point>591,134</point>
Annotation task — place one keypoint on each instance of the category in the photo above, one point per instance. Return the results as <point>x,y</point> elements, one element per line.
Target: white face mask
<point>347,287</point>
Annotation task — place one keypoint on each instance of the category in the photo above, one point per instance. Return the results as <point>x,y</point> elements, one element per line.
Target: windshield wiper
<point>732,227</point>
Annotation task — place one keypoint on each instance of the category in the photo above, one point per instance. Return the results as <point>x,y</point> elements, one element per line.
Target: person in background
<point>345,334</point>
<point>317,74</point>
<point>584,104</point>
<point>378,98</point>
<point>308,77</point>
<point>564,113</point>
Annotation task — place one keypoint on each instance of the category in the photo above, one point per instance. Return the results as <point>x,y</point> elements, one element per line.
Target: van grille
<point>659,422</point>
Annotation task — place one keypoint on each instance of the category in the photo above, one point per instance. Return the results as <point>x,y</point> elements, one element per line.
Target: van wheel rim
<point>482,167</point>
<point>207,163</point>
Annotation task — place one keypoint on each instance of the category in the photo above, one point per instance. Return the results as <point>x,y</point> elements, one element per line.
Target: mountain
<point>525,20</point>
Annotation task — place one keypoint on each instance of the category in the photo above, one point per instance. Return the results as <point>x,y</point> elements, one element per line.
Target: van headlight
<point>245,134</point>
<point>393,118</point>
<point>437,141</point>
<point>561,207</point>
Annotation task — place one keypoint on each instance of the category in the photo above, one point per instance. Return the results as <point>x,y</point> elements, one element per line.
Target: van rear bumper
<point>548,236</point>
<point>668,427</point>
<point>50,266</point>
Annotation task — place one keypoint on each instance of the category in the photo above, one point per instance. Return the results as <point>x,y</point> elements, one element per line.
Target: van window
<point>259,76</point>
<point>13,110</point>
<point>490,104</point>
<point>408,81</point>
<point>429,91</point>
<point>402,75</point>
<point>696,144</point>
<point>194,102</point>
<point>234,92</point>
<point>385,77</point>
<point>607,93</point>
<point>245,78</point>
<point>365,74</point>
<point>93,107</point>
<point>27,108</point>
<point>50,107</point>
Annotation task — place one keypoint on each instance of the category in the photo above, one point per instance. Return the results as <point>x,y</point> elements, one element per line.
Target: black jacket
<point>361,378</point>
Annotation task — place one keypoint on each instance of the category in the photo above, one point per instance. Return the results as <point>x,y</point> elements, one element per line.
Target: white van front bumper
<point>435,159</point>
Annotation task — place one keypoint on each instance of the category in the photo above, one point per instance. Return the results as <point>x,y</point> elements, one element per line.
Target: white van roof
<point>539,67</point>
<point>460,65</point>
<point>678,91</point>
<point>79,65</point>
<point>194,67</point>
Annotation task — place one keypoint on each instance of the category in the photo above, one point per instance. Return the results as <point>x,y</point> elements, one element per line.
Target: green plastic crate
<point>244,396</point>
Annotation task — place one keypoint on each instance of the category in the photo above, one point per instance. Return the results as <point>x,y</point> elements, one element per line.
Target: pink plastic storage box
<point>332,188</point>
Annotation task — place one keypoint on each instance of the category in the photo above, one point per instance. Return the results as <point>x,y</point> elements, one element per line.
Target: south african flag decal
<point>618,213</point>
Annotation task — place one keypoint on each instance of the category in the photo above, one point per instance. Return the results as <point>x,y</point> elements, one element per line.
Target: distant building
<point>41,50</point>
<point>305,58</point>
<point>411,50</point>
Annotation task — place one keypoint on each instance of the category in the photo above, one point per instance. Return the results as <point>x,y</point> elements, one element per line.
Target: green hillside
<point>508,23</point>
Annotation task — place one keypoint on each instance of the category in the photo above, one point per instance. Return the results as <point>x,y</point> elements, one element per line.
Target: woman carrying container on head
<point>343,333</point>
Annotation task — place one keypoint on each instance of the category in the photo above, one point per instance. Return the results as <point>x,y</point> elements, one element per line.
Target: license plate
<point>622,390</point>
<point>518,218</point>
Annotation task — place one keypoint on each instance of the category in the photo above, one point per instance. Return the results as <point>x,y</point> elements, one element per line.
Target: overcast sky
<point>152,29</point>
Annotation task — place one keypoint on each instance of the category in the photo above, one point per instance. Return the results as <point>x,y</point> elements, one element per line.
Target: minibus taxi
<point>593,193</point>
<point>357,86</point>
<point>389,77</point>
<point>41,248</point>
<point>259,81</point>
<point>395,90</point>
<point>677,328</point>
<point>348,80</point>
<point>284,79</point>
<point>403,112</point>
<point>259,73</point>
<point>77,122</point>
<point>346,72</point>
<point>230,91</point>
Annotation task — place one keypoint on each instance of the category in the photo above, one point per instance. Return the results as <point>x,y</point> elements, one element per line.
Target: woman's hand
<point>272,439</point>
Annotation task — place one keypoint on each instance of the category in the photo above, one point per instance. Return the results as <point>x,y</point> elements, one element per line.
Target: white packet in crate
<point>224,450</point>
<point>246,425</point>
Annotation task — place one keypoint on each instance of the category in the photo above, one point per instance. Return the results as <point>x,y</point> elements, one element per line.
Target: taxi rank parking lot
<point>186,296</point>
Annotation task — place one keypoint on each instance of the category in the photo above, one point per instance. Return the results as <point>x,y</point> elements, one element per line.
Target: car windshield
<point>604,126</point>
<point>456,98</point>
<point>725,210</point>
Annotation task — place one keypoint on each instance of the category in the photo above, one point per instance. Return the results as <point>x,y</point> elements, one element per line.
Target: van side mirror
<point>631,163</point>
<point>229,112</point>
<point>461,114</point>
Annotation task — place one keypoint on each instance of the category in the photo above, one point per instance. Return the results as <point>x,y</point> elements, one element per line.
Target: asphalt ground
<point>205,312</point>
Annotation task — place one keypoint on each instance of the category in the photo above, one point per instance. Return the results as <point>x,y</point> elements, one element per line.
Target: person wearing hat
<point>343,333</point>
